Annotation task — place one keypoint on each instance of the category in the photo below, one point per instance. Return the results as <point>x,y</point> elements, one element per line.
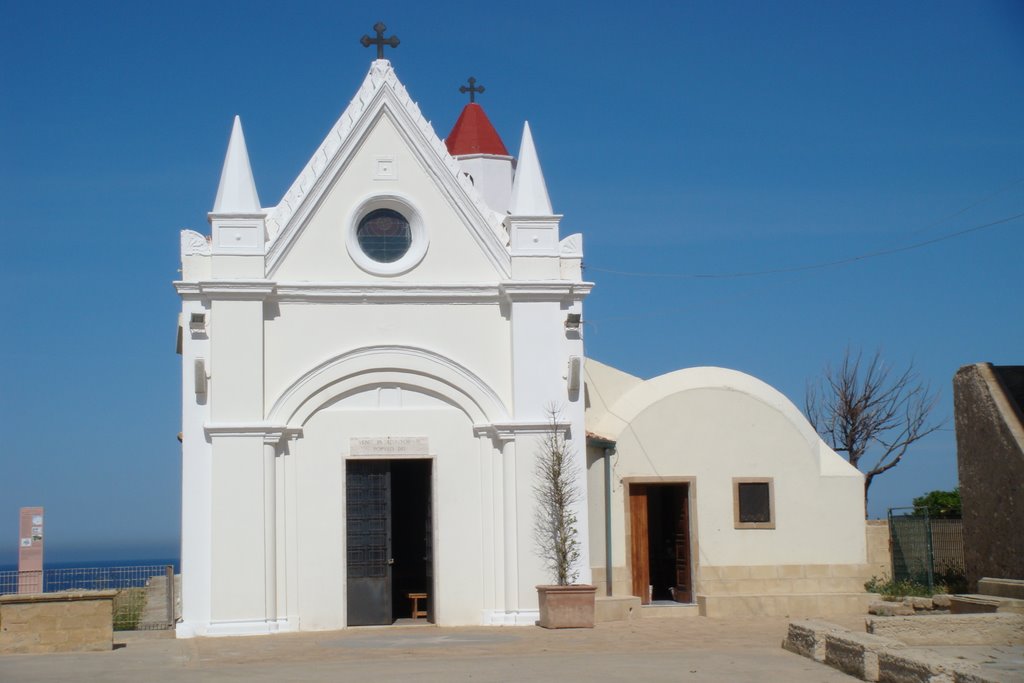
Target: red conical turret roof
<point>474,134</point>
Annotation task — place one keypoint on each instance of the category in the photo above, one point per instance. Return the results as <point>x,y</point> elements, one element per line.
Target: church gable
<point>382,172</point>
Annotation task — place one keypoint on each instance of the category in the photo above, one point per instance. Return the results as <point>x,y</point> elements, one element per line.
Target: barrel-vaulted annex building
<point>368,369</point>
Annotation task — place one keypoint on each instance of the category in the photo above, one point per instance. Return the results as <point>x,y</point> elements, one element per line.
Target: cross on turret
<point>380,41</point>
<point>472,89</point>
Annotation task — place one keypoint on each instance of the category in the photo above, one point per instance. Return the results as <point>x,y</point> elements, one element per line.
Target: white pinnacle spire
<point>529,192</point>
<point>237,190</point>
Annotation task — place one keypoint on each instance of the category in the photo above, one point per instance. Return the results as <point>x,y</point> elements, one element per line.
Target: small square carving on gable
<point>386,168</point>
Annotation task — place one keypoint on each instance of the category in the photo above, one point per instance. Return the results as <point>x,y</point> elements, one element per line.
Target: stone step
<point>976,603</point>
<point>668,610</point>
<point>1003,588</point>
<point>616,608</point>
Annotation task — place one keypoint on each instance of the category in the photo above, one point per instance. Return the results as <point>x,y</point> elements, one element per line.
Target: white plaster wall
<point>320,252</point>
<point>717,434</point>
<point>235,367</point>
<point>713,425</point>
<point>237,532</point>
<point>318,461</point>
<point>492,178</point>
<point>300,336</point>
<point>196,476</point>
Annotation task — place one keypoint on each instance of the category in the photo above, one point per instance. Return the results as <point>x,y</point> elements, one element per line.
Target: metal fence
<point>146,598</point>
<point>927,551</point>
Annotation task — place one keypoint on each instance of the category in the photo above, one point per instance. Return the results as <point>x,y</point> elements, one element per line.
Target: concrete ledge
<point>676,611</point>
<point>1003,588</point>
<point>951,629</point>
<point>872,657</point>
<point>984,604</point>
<point>856,653</point>
<point>616,608</point>
<point>807,638</point>
<point>73,621</point>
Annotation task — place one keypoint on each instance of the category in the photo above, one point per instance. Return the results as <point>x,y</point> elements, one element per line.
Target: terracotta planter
<point>566,606</point>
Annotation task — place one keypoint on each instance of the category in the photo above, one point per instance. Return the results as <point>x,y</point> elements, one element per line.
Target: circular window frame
<point>418,234</point>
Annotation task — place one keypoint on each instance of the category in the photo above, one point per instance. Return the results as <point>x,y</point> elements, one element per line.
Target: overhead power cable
<point>837,262</point>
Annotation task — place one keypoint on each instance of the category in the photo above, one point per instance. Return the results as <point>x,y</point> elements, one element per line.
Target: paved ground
<point>693,649</point>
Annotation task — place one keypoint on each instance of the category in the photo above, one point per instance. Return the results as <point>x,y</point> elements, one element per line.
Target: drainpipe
<point>608,451</point>
<point>608,448</point>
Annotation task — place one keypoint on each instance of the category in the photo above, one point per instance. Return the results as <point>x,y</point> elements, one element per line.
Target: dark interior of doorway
<point>411,535</point>
<point>668,542</point>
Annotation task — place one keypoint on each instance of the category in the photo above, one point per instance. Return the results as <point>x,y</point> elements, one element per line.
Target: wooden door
<point>368,536</point>
<point>638,533</point>
<point>681,541</point>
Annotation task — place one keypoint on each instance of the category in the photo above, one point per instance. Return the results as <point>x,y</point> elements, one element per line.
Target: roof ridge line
<point>381,74</point>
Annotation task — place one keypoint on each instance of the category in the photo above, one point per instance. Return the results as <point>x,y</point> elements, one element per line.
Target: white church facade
<point>368,372</point>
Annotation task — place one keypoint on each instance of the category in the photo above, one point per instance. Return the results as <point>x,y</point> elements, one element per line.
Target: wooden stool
<point>416,611</point>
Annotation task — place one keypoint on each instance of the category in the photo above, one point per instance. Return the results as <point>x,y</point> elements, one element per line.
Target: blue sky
<point>680,138</point>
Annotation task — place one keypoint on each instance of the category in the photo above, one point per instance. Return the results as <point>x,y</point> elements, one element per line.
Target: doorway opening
<point>389,540</point>
<point>660,552</point>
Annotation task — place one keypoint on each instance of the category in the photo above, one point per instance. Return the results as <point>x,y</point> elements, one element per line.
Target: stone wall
<point>80,621</point>
<point>879,557</point>
<point>990,455</point>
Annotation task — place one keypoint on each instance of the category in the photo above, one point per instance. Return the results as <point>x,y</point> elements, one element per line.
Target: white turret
<point>481,154</point>
<point>532,225</point>
<point>529,191</point>
<point>237,220</point>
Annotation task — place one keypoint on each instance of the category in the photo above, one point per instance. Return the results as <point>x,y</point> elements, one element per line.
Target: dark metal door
<point>428,557</point>
<point>368,504</point>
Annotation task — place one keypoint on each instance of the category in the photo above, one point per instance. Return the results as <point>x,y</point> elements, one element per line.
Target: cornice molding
<point>545,290</point>
<point>227,289</point>
<point>507,431</point>
<point>271,433</point>
<point>387,292</point>
<point>390,292</point>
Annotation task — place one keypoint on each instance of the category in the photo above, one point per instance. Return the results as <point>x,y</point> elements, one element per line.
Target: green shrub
<point>897,590</point>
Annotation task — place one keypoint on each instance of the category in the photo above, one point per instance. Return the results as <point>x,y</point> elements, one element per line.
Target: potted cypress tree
<point>565,604</point>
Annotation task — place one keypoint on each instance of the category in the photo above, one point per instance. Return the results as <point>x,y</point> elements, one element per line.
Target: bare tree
<point>870,412</point>
<point>557,492</point>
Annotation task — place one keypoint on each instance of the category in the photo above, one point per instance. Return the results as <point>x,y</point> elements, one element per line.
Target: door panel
<point>639,551</point>
<point>368,506</point>
<point>684,587</point>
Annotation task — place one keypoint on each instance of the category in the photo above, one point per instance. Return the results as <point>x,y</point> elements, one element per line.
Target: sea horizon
<point>97,563</point>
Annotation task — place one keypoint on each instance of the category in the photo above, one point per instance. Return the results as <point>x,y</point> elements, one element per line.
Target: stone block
<point>790,571</point>
<point>856,653</point>
<point>807,638</point>
<point>616,608</point>
<point>57,622</point>
<point>817,571</point>
<point>952,629</point>
<point>709,572</point>
<point>1003,588</point>
<point>972,604</point>
<point>941,601</point>
<point>807,585</point>
<point>763,572</point>
<point>890,609</point>
<point>898,667</point>
<point>734,572</point>
<point>919,604</point>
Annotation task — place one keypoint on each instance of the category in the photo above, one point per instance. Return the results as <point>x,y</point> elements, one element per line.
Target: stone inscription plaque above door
<point>388,446</point>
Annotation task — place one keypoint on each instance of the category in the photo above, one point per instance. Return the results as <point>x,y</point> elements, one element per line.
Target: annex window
<point>753,503</point>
